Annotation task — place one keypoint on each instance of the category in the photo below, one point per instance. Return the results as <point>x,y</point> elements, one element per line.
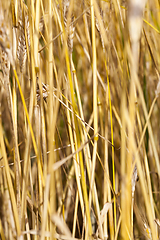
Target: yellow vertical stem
<point>113,168</point>
<point>51,126</point>
<point>95,112</point>
<point>123,156</point>
<point>94,71</point>
<point>106,164</point>
<point>36,33</point>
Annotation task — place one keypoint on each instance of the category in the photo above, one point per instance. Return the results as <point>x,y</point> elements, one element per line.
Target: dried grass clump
<point>79,119</point>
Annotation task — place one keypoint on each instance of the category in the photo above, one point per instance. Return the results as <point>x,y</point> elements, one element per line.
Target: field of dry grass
<point>79,119</point>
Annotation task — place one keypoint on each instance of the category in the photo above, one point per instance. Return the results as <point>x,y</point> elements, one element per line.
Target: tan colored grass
<point>79,119</point>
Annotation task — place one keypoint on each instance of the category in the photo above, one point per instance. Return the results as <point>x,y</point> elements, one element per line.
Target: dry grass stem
<point>79,119</point>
